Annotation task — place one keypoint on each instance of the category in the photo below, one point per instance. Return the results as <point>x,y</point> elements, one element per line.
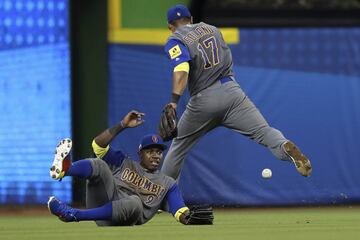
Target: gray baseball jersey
<point>206,51</point>
<point>132,178</point>
<point>128,186</point>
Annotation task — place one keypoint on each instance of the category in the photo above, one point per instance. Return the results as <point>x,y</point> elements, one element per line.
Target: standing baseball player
<point>121,191</point>
<point>202,61</point>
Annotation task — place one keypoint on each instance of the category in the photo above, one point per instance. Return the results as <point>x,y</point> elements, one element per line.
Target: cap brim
<point>161,146</point>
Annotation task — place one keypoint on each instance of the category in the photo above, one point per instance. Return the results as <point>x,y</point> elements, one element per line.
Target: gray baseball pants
<point>220,105</point>
<point>101,189</point>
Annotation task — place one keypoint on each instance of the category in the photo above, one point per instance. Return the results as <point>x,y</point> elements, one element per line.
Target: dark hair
<point>188,19</point>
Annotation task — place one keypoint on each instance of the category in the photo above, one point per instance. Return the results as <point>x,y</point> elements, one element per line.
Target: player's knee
<point>127,211</point>
<point>136,206</point>
<point>98,166</point>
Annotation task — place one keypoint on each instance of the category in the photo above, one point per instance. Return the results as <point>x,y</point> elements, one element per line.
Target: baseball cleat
<point>302,163</point>
<point>64,212</point>
<point>62,159</point>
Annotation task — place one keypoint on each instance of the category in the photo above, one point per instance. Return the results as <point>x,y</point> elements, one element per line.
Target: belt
<point>225,79</point>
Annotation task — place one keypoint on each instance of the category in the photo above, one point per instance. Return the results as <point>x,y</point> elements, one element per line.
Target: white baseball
<point>266,173</point>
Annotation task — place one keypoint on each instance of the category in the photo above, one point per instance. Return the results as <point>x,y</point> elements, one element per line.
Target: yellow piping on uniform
<point>182,67</point>
<point>179,212</point>
<point>99,151</point>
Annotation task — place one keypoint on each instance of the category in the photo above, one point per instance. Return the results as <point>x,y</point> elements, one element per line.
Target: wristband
<point>175,98</point>
<point>122,124</point>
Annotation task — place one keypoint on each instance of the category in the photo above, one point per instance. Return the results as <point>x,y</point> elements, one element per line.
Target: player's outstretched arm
<point>180,79</point>
<point>131,120</point>
<point>179,57</point>
<point>196,215</point>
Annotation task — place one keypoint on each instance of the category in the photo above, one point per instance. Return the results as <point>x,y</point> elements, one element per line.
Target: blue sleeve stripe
<point>174,199</point>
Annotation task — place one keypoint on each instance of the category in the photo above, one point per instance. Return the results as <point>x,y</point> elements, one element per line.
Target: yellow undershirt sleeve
<point>99,151</point>
<point>179,212</point>
<point>185,67</point>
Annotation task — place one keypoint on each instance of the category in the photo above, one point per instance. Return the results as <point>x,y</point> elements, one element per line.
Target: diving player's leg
<point>62,159</point>
<point>100,192</point>
<point>126,211</point>
<point>69,214</point>
<point>101,189</point>
<point>93,169</point>
<point>62,165</point>
<point>105,205</point>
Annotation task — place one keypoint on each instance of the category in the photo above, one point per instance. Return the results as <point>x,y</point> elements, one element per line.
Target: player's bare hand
<point>133,119</point>
<point>174,105</point>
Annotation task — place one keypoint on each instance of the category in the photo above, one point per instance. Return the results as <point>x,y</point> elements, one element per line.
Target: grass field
<point>340,223</point>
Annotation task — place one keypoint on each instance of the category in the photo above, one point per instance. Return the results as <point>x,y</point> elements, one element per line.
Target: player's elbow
<point>180,79</point>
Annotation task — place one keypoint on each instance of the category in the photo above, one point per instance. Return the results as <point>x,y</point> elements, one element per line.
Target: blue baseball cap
<point>176,12</point>
<point>151,140</point>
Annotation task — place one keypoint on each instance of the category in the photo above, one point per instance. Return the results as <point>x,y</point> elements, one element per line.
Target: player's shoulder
<point>129,161</point>
<point>174,48</point>
<point>212,27</point>
<point>203,24</point>
<point>173,41</point>
<point>209,25</point>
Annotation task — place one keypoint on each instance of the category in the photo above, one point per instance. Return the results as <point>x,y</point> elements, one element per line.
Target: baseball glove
<point>168,120</point>
<point>200,215</point>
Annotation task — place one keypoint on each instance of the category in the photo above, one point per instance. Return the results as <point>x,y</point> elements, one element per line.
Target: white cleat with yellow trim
<point>62,159</point>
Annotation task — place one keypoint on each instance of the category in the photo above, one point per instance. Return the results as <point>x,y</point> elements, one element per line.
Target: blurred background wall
<point>34,97</point>
<point>73,68</point>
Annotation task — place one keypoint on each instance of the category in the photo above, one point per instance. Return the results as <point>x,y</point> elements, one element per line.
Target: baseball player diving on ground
<point>202,61</point>
<point>121,191</point>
